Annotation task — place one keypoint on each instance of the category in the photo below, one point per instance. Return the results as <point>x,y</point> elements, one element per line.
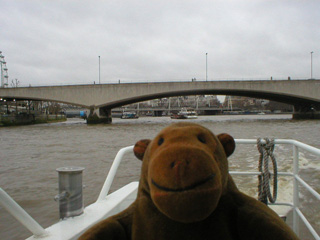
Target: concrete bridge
<point>304,95</point>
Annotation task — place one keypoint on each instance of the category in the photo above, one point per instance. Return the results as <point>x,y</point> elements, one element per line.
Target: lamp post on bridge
<point>311,64</point>
<point>99,69</point>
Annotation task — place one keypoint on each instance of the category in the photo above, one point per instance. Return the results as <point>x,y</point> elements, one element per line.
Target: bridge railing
<point>135,81</point>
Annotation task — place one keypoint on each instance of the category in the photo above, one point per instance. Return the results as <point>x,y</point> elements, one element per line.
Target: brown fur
<point>186,192</point>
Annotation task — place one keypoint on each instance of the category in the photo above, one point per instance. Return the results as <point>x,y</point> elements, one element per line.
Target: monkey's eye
<point>201,138</point>
<point>160,141</point>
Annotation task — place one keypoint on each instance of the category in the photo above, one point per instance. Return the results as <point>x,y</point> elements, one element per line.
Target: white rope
<point>266,153</point>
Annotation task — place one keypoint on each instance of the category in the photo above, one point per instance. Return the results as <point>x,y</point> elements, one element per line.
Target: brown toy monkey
<point>186,192</point>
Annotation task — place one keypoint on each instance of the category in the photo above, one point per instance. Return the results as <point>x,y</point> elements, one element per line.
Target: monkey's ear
<point>227,142</point>
<point>140,148</point>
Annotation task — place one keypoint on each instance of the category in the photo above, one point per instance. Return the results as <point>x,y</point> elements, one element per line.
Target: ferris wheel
<point>4,71</point>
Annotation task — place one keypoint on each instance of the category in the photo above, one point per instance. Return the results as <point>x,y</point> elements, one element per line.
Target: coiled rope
<point>266,148</point>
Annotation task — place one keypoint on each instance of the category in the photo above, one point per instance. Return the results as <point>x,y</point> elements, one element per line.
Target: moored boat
<point>129,115</point>
<point>185,113</point>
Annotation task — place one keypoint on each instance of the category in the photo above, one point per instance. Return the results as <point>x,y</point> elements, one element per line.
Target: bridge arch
<point>283,98</point>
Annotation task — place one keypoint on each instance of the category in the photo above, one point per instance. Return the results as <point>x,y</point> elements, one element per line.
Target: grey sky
<point>58,42</point>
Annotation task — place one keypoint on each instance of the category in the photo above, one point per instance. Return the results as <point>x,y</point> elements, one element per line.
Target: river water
<point>30,154</point>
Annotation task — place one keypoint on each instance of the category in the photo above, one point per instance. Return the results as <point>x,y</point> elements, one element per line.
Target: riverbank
<point>28,119</point>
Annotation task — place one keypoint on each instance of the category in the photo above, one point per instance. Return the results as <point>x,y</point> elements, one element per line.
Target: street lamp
<point>206,66</point>
<point>311,63</point>
<point>99,69</point>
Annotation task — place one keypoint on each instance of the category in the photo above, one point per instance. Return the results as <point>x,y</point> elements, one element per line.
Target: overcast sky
<point>58,42</point>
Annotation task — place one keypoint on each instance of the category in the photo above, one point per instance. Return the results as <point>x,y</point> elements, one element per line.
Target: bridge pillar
<point>99,115</point>
<point>306,111</point>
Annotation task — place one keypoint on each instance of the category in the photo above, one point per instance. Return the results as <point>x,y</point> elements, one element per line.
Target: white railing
<point>295,175</point>
<point>112,172</point>
<point>296,180</point>
<point>20,214</point>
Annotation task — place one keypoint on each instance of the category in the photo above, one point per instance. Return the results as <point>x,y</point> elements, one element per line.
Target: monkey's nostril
<point>179,162</point>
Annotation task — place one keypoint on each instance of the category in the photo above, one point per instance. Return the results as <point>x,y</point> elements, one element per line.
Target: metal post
<point>295,190</point>
<point>311,63</point>
<point>70,191</point>
<point>99,69</point>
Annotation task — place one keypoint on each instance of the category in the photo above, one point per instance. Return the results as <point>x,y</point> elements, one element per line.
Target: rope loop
<point>265,147</point>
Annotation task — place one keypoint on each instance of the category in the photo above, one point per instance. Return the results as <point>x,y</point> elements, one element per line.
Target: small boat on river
<point>110,204</point>
<point>129,115</point>
<point>185,113</point>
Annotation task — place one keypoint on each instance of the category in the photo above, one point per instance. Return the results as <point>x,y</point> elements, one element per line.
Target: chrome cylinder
<point>70,191</point>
